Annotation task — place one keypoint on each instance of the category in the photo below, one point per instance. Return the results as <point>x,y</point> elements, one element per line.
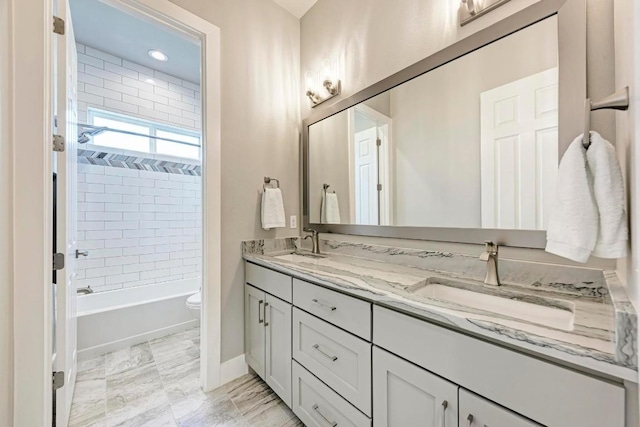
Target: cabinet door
<point>277,321</point>
<point>254,331</point>
<point>405,395</point>
<point>476,411</point>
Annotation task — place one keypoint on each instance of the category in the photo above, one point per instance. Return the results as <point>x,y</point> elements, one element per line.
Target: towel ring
<point>616,101</point>
<point>267,181</point>
<point>325,187</point>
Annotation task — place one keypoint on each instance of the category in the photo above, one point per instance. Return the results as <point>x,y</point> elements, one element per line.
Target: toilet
<point>194,302</point>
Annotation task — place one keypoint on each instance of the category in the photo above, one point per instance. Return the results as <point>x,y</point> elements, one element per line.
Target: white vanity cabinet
<point>268,328</point>
<point>405,395</point>
<point>339,360</point>
<point>478,412</point>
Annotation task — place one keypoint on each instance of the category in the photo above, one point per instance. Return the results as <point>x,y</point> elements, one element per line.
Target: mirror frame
<point>572,92</point>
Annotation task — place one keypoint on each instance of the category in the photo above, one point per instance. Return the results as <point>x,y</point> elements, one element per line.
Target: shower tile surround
<point>603,339</point>
<point>140,226</point>
<point>109,83</point>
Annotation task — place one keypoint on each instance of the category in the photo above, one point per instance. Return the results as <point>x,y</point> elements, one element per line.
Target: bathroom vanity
<point>365,335</point>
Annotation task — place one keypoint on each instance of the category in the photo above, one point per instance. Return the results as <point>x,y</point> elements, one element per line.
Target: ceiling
<point>114,31</point>
<point>296,7</point>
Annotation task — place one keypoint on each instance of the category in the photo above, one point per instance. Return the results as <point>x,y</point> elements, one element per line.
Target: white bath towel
<point>272,209</point>
<point>330,210</point>
<point>573,224</point>
<point>608,192</point>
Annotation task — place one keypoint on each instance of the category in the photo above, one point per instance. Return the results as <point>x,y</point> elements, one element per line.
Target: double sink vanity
<point>364,335</point>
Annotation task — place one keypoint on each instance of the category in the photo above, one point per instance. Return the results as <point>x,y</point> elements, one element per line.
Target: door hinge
<point>58,25</point>
<point>58,261</point>
<point>58,380</point>
<point>379,187</point>
<point>58,143</point>
<point>378,142</point>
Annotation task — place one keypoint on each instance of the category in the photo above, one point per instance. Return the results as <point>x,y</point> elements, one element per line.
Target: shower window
<point>184,143</point>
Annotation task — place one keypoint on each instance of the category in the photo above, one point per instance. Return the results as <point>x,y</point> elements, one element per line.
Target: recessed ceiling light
<point>158,55</point>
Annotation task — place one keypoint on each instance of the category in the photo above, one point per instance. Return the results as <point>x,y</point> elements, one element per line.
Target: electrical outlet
<point>293,221</point>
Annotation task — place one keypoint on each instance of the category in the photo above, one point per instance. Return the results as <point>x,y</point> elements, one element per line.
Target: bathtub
<point>113,320</point>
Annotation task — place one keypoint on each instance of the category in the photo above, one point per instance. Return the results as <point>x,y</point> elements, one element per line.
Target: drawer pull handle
<point>470,419</point>
<point>445,405</point>
<point>331,423</point>
<point>328,307</point>
<point>266,305</point>
<point>317,348</point>
<point>260,318</point>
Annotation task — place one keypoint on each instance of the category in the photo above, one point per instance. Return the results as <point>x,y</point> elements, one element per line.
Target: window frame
<point>154,127</point>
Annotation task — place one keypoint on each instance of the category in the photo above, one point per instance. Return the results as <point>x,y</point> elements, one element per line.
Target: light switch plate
<point>293,221</point>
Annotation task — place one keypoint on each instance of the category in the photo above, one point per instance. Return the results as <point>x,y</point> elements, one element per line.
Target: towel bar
<point>267,181</point>
<point>616,101</point>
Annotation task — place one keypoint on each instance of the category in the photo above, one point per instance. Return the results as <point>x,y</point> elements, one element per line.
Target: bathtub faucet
<point>84,291</point>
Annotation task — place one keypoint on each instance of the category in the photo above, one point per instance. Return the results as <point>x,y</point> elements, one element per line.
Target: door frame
<point>31,130</point>
<point>386,165</point>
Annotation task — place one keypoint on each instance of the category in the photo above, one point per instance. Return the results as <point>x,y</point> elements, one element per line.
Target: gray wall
<point>436,127</point>
<point>260,133</point>
<point>6,256</point>
<point>329,149</point>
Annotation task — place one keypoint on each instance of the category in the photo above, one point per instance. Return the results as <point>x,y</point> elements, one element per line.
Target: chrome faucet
<point>314,239</point>
<point>490,255</point>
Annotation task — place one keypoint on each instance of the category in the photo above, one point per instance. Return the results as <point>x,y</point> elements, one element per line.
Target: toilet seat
<point>194,301</point>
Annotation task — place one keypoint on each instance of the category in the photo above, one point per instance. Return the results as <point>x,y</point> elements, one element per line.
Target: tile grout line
<point>164,388</point>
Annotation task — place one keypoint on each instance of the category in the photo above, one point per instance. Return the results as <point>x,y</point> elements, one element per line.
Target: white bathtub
<point>109,321</point>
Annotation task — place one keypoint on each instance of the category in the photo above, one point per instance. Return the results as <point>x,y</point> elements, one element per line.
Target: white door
<point>405,395</point>
<point>478,412</point>
<point>366,176</point>
<point>519,152</point>
<point>254,331</point>
<point>67,210</point>
<point>277,322</point>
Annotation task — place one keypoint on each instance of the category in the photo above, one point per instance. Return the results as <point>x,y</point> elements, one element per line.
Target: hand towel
<point>573,223</point>
<point>330,211</point>
<point>608,192</point>
<point>272,209</point>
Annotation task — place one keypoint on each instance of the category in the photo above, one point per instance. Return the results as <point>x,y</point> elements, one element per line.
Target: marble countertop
<point>600,337</point>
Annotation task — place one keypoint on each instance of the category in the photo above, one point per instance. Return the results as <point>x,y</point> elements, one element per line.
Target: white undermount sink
<point>297,257</point>
<point>554,317</point>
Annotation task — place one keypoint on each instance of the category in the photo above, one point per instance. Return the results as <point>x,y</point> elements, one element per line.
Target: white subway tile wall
<point>140,227</point>
<point>113,84</point>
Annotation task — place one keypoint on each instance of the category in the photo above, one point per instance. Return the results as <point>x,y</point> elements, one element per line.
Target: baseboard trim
<point>91,352</point>
<point>232,369</point>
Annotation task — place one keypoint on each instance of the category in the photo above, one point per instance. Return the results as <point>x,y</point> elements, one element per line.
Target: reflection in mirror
<point>471,144</point>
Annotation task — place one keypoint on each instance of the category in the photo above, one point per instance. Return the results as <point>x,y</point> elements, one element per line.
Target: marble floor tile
<point>122,360</point>
<point>157,384</point>
<point>87,413</point>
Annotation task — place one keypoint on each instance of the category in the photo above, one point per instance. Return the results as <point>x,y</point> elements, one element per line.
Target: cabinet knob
<point>470,419</point>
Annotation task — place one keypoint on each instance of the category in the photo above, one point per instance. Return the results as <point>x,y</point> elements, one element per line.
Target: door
<point>519,152</point>
<point>66,212</point>
<point>405,395</point>
<point>277,322</point>
<point>478,412</point>
<point>366,176</point>
<point>254,330</point>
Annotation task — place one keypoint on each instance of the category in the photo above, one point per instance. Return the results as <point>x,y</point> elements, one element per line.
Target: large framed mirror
<point>464,145</point>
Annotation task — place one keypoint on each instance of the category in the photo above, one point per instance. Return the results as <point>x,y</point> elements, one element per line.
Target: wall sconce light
<point>322,86</point>
<point>471,10</point>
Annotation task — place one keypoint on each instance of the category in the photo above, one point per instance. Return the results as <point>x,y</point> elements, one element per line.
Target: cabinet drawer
<point>341,360</point>
<point>545,392</point>
<point>478,412</point>
<point>349,313</point>
<point>318,406</point>
<point>270,281</point>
